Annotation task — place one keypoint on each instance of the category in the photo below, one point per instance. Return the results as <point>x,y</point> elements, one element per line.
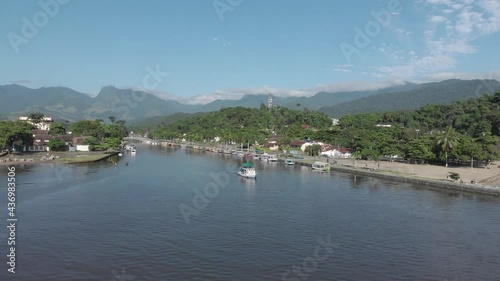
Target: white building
<point>82,147</point>
<point>305,145</point>
<point>44,124</point>
<point>337,152</point>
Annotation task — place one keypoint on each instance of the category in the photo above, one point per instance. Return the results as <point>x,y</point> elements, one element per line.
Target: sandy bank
<point>481,180</point>
<point>54,156</point>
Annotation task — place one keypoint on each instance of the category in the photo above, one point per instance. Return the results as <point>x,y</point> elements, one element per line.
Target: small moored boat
<point>272,158</point>
<point>247,171</point>
<point>321,166</point>
<point>290,162</point>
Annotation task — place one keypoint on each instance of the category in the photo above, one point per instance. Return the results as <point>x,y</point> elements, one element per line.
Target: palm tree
<point>447,142</point>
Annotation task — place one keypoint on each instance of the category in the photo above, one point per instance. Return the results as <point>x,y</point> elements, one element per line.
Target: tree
<point>446,142</point>
<point>121,122</point>
<point>313,150</point>
<point>470,148</point>
<point>88,128</point>
<point>36,117</point>
<point>15,133</point>
<point>57,145</point>
<point>112,119</point>
<point>57,129</point>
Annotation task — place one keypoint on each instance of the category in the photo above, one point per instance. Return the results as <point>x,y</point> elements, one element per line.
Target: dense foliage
<point>15,134</point>
<point>102,136</point>
<point>463,131</point>
<point>240,124</point>
<point>57,145</point>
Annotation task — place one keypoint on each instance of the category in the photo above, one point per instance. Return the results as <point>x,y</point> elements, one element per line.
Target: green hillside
<point>444,92</point>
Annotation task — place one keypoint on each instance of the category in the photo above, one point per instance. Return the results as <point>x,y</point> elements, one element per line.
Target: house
<point>306,144</point>
<point>384,125</point>
<point>44,124</point>
<point>82,147</point>
<point>79,140</point>
<point>273,142</point>
<point>297,144</point>
<point>272,146</point>
<point>274,139</point>
<point>335,121</point>
<point>337,152</point>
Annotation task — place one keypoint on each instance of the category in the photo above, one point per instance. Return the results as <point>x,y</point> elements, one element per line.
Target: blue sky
<point>227,48</point>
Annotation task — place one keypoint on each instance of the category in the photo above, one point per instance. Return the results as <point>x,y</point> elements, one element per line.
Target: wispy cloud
<point>343,67</point>
<point>437,19</point>
<point>20,82</point>
<point>465,22</point>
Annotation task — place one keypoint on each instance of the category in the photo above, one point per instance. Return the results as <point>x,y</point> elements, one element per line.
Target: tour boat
<point>290,162</point>
<point>247,171</point>
<point>321,166</point>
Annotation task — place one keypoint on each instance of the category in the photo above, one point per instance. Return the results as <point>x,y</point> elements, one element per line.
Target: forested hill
<point>470,128</point>
<point>244,124</point>
<point>444,92</point>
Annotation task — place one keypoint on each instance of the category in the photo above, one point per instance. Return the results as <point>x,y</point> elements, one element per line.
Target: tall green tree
<point>447,142</point>
<point>36,117</point>
<point>57,129</point>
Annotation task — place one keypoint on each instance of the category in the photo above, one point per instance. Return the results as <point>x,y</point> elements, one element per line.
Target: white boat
<point>321,166</point>
<point>272,158</point>
<point>240,153</point>
<point>133,150</point>
<point>247,171</point>
<point>290,162</point>
<point>129,147</point>
<point>120,154</point>
<point>264,157</point>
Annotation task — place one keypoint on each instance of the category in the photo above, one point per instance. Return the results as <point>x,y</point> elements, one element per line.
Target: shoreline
<point>429,183</point>
<point>55,157</point>
<point>482,181</point>
<point>400,172</point>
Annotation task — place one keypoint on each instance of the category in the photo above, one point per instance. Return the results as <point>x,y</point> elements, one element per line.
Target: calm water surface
<point>107,222</point>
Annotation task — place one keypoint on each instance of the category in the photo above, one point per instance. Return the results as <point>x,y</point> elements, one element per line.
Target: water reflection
<point>249,183</point>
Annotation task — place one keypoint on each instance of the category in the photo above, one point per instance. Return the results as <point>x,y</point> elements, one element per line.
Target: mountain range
<point>67,104</point>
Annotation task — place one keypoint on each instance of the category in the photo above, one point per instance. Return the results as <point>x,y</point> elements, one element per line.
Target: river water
<point>175,214</point>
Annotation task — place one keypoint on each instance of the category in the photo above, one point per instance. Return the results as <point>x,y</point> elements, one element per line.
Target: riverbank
<point>55,157</point>
<point>479,180</point>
